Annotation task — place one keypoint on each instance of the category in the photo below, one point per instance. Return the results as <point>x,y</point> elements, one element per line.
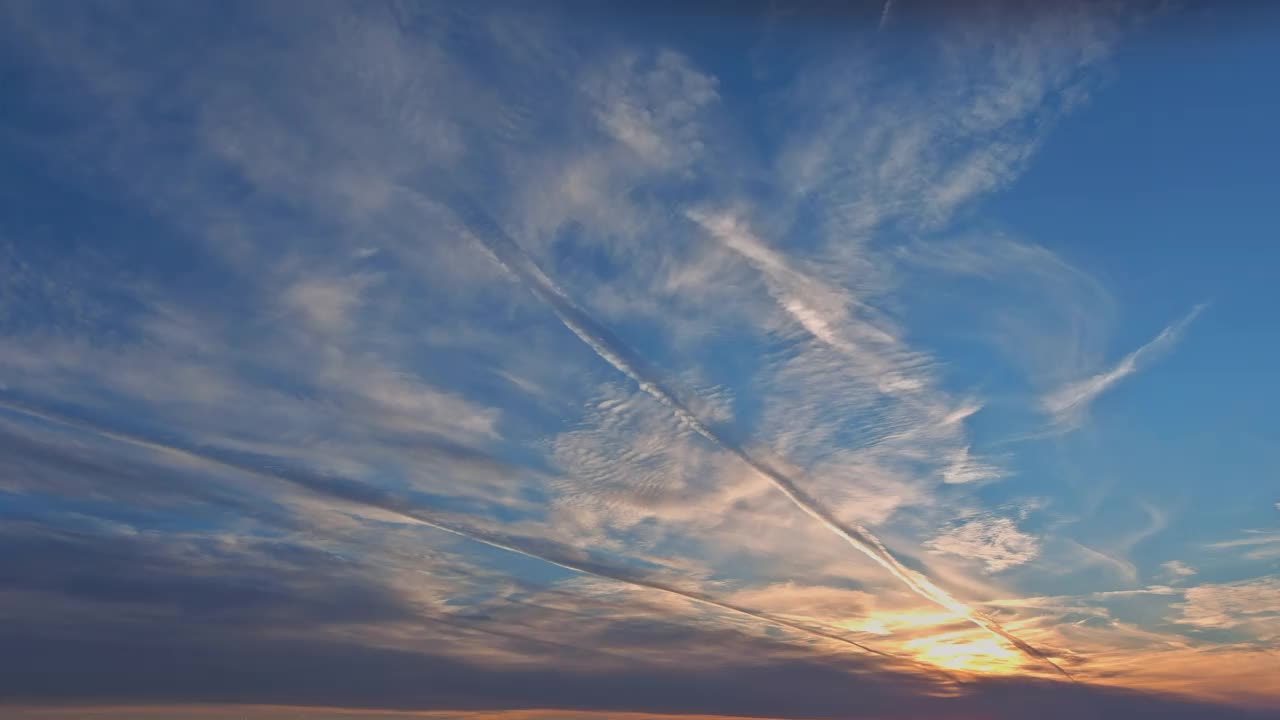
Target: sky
<point>577,361</point>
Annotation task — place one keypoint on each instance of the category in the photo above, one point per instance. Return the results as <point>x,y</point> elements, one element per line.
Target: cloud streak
<point>767,266</point>
<point>884,14</point>
<point>1069,405</point>
<point>371,497</point>
<point>610,349</point>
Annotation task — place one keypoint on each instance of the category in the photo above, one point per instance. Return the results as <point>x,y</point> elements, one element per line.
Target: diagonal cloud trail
<point>1069,404</point>
<point>357,493</point>
<point>605,344</point>
<point>884,14</point>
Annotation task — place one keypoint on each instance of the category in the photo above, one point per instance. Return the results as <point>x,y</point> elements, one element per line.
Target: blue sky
<point>407,360</point>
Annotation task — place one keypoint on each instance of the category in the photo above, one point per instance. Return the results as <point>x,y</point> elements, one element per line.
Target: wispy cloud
<point>622,358</point>
<point>347,374</point>
<point>824,312</point>
<point>1093,556</point>
<point>360,495</point>
<point>884,13</point>
<point>1178,569</point>
<point>1256,544</point>
<point>1250,603</point>
<point>992,540</point>
<point>1068,406</point>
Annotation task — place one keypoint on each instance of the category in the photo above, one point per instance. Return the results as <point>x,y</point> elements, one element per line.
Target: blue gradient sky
<point>875,360</point>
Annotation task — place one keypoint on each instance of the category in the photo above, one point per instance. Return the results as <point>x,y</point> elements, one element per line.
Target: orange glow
<point>966,652</point>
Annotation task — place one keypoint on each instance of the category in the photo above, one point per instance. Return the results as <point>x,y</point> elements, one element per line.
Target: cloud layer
<point>511,361</point>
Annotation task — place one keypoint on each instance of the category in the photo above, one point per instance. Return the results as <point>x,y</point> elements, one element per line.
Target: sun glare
<point>985,655</point>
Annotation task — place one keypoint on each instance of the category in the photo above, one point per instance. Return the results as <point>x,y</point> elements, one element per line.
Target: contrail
<point>613,351</point>
<point>1068,405</point>
<point>884,13</point>
<point>358,493</point>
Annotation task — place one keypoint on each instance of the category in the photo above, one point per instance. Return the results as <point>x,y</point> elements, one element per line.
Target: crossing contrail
<point>358,493</point>
<point>612,350</point>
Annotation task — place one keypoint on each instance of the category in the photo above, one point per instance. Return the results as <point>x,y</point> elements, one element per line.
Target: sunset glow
<point>786,359</point>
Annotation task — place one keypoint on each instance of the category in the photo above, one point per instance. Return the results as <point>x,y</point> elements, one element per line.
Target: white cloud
<point>651,105</point>
<point>1094,556</point>
<point>1069,405</point>
<point>824,312</point>
<point>884,14</point>
<point>327,304</point>
<point>918,154</point>
<point>1043,314</point>
<point>1251,605</point>
<point>1178,569</point>
<point>964,468</point>
<point>845,401</point>
<point>1256,545</point>
<point>993,540</point>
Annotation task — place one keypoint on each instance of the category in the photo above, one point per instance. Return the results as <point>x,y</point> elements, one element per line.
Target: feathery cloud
<point>1249,603</point>
<point>1068,406</point>
<point>1178,569</point>
<point>1256,544</point>
<point>992,540</point>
